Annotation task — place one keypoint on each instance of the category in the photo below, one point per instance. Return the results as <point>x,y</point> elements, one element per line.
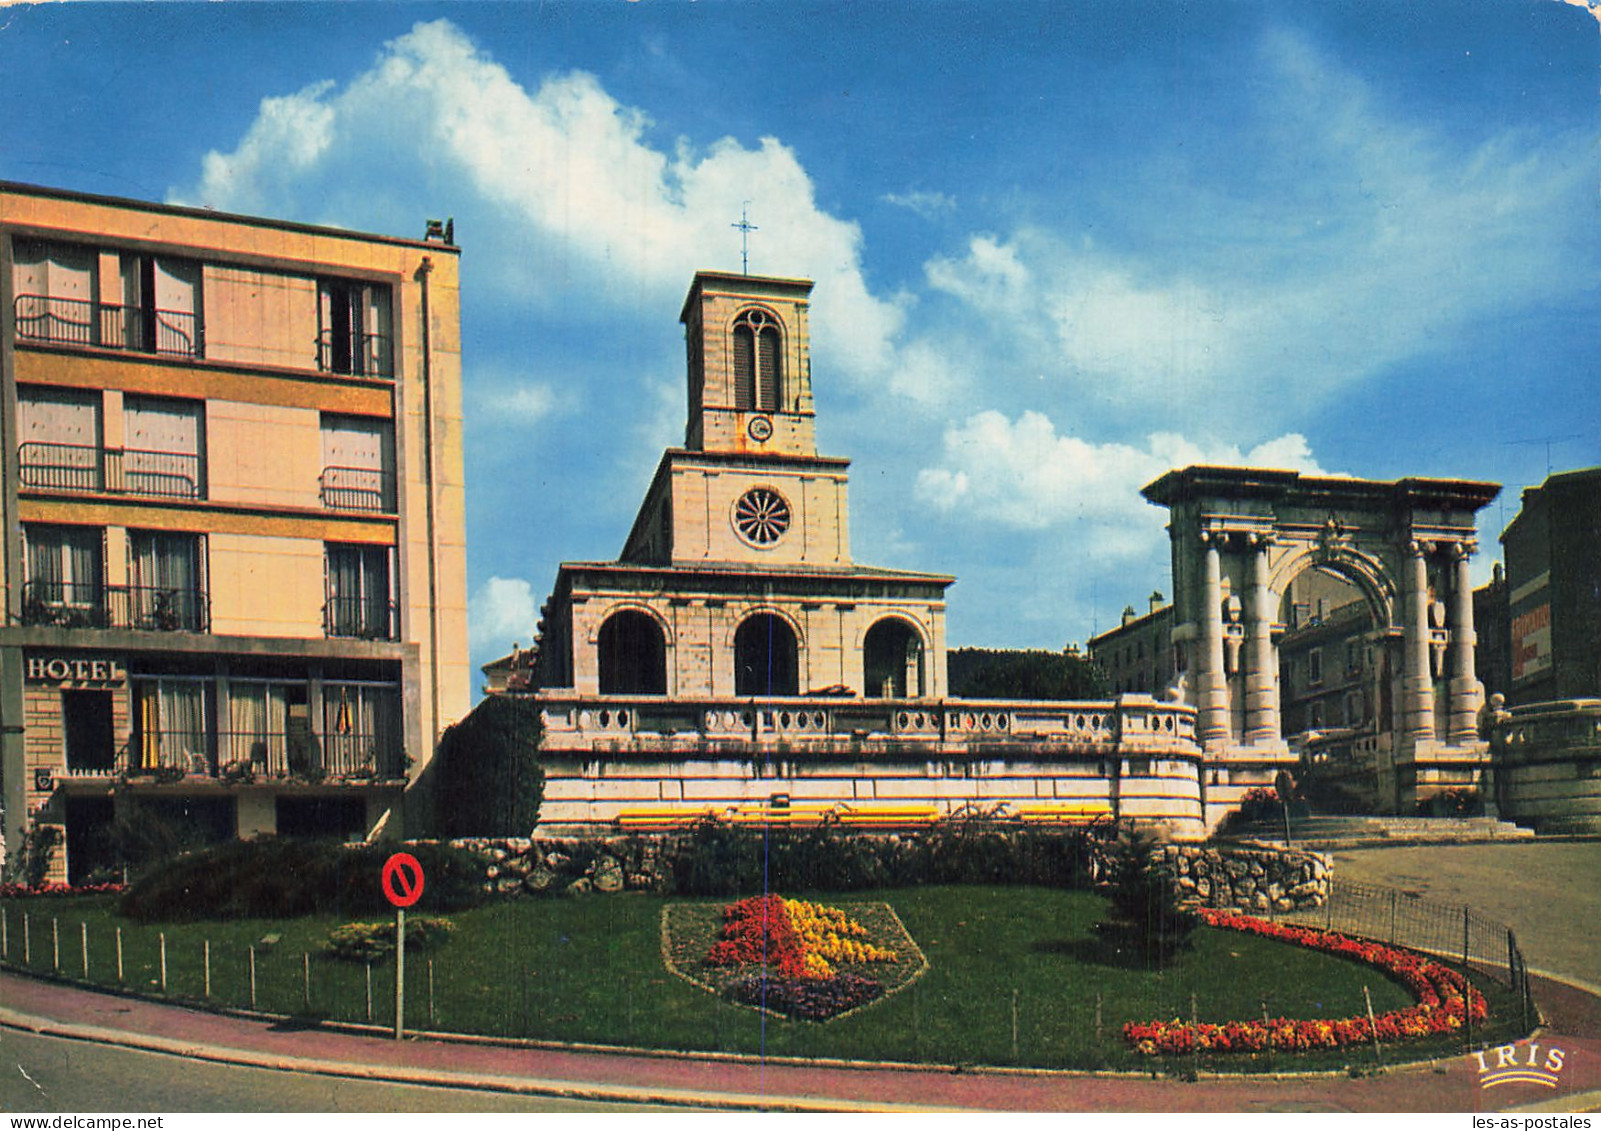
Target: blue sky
<point>1059,247</point>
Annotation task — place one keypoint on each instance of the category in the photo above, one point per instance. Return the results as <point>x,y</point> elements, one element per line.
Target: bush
<point>985,673</point>
<point>373,942</point>
<point>489,779</point>
<point>1145,921</point>
<point>720,860</point>
<point>284,878</point>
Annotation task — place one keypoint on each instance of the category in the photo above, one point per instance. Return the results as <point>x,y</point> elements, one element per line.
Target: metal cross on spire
<point>745,229</point>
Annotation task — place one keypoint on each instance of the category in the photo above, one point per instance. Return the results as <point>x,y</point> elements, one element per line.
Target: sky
<point>1059,248</point>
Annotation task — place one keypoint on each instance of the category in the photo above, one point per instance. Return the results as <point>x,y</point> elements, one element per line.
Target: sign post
<point>402,881</point>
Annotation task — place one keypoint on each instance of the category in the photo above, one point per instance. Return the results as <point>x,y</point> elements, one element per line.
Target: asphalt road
<point>1548,892</point>
<point>53,1075</point>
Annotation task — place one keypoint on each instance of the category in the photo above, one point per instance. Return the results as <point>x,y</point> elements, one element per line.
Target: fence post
<point>306,967</point>
<point>1395,899</point>
<point>55,945</point>
<point>27,941</point>
<point>252,977</point>
<point>163,938</point>
<point>5,932</point>
<point>1373,1024</point>
<point>1467,981</point>
<point>1015,1056</point>
<point>430,991</point>
<point>83,932</point>
<point>1099,1036</point>
<point>207,960</point>
<point>369,992</point>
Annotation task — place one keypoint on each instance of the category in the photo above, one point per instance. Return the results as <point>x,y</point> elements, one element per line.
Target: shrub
<point>283,878</point>
<point>373,942</point>
<point>1145,920</point>
<point>722,860</point>
<point>489,779</point>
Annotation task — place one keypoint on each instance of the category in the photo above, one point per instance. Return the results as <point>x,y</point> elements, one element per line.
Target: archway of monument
<point>1241,537</point>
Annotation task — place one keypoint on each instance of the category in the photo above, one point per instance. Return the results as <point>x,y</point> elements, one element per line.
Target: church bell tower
<point>750,373</point>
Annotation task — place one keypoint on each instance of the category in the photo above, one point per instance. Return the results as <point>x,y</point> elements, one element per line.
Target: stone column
<point>1211,684</point>
<point>1261,678</point>
<point>1462,723</point>
<point>1417,685</point>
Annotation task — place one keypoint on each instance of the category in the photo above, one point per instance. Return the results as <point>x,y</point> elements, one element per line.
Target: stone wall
<point>552,865</point>
<point>1248,879</point>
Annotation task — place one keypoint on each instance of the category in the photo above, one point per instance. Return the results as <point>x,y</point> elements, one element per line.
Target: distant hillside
<point>985,673</point>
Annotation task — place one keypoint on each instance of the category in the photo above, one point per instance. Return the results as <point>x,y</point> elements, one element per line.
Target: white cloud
<point>501,612</point>
<point>583,208</point>
<point>928,205</point>
<point>1354,242</point>
<point>517,406</point>
<point>1023,474</point>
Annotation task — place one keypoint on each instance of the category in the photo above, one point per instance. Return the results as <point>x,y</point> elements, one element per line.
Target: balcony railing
<point>125,471</point>
<point>245,756</point>
<point>81,322</point>
<point>361,618</point>
<point>357,489</point>
<point>1132,724</point>
<point>359,354</point>
<point>68,604</point>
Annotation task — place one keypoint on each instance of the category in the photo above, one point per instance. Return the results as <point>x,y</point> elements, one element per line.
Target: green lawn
<point>591,970</point>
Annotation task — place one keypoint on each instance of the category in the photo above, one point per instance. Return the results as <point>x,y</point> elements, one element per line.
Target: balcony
<point>357,489</point>
<point>118,471</point>
<point>358,353</point>
<point>80,322</point>
<point>66,604</point>
<point>245,757</point>
<point>361,618</point>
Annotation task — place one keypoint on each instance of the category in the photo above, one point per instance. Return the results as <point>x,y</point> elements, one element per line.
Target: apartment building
<point>234,562</point>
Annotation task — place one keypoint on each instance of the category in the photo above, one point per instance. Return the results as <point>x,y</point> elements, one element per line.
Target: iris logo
<point>1514,1065</point>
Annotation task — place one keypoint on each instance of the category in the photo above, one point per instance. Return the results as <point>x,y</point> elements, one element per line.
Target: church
<point>736,663</point>
<point>737,577</point>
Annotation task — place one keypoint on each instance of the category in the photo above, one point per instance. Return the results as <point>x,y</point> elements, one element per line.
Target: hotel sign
<point>75,669</point>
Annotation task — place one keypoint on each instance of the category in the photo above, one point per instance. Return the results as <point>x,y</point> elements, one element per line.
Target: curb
<point>424,1077</point>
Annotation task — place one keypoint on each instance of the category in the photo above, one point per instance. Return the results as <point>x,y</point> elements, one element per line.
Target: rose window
<point>761,516</point>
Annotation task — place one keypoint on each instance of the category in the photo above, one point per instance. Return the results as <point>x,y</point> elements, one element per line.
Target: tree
<point>1145,919</point>
<point>488,778</point>
<point>986,673</point>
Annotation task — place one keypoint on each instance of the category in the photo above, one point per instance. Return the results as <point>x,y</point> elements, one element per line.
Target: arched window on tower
<point>766,657</point>
<point>758,362</point>
<point>892,661</point>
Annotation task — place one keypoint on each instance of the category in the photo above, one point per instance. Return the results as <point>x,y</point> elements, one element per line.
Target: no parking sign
<point>402,882</point>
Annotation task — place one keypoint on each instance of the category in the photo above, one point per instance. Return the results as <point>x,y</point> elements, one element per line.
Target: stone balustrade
<point>1546,761</point>
<point>652,724</point>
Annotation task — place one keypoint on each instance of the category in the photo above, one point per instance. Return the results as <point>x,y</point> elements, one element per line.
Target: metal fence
<point>1452,931</point>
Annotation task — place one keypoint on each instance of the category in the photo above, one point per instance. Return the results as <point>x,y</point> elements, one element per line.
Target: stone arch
<point>1367,572</point>
<point>1405,544</point>
<point>893,651</point>
<point>631,646</point>
<point>766,650</point>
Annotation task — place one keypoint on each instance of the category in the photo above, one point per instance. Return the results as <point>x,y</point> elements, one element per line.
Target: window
<point>57,288</point>
<point>91,740</point>
<point>171,727</point>
<point>358,456</point>
<point>60,435</point>
<point>1353,657</point>
<point>164,447</point>
<point>59,299</point>
<point>65,576</point>
<point>269,727</point>
<point>758,365</point>
<point>359,603</point>
<point>160,306</point>
<point>361,729</point>
<point>1314,666</point>
<point>167,591</point>
<point>354,329</point>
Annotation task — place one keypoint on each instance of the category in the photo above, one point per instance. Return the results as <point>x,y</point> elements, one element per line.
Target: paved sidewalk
<point>1448,1086</point>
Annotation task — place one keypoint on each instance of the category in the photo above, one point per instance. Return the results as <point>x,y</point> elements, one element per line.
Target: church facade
<point>735,661</point>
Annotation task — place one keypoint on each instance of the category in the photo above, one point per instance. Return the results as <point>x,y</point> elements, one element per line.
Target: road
<point>50,1074</point>
<point>1548,892</point>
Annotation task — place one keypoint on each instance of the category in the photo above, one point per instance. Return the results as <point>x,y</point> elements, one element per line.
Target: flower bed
<point>1444,997</point>
<point>16,891</point>
<point>799,959</point>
